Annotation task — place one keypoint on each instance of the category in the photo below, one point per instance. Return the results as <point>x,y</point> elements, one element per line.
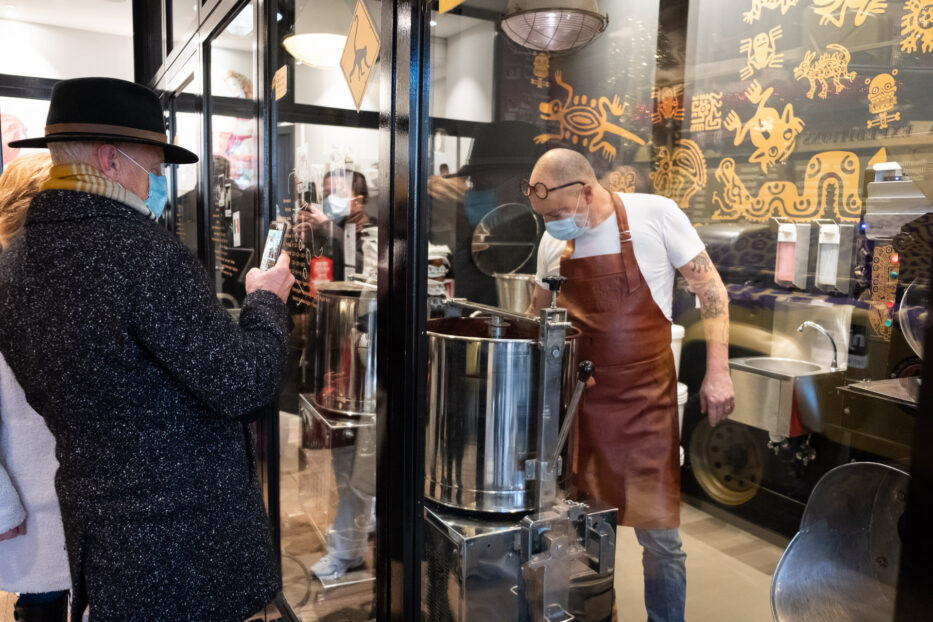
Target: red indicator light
<point>890,304</point>
<point>895,258</point>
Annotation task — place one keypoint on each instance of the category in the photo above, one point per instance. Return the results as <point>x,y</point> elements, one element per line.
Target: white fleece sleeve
<point>12,512</point>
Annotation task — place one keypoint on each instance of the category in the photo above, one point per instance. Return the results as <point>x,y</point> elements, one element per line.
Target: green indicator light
<point>893,274</point>
<point>887,323</point>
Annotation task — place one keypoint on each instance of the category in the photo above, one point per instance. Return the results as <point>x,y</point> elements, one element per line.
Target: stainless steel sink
<point>786,397</point>
<point>784,367</point>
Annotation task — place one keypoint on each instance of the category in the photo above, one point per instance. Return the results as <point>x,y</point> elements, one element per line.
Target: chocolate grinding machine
<point>501,544</point>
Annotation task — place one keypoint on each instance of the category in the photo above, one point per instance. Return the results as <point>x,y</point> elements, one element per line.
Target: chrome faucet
<point>820,329</point>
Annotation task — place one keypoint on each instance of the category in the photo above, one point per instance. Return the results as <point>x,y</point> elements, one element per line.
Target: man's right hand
<point>278,279</point>
<point>19,530</point>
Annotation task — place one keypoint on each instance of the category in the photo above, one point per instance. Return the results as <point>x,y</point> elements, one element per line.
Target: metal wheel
<point>727,461</point>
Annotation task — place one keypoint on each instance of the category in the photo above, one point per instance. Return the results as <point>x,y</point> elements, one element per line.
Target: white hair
<point>77,152</point>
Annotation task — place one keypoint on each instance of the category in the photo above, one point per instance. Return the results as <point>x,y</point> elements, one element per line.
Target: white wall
<point>468,94</point>
<point>43,51</point>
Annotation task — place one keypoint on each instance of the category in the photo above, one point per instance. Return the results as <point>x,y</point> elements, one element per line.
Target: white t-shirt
<point>662,238</point>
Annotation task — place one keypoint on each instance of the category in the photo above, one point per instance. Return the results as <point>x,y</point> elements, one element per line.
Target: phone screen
<point>274,242</point>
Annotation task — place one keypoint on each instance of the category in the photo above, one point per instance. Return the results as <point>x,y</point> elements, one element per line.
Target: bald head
<point>559,166</point>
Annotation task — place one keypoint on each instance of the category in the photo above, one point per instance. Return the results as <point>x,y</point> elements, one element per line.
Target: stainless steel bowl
<point>515,291</point>
<point>483,395</point>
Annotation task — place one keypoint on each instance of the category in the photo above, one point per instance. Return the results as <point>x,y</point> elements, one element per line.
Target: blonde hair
<point>19,183</point>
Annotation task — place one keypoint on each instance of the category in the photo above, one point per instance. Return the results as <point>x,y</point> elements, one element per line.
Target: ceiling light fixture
<point>316,49</point>
<point>320,33</point>
<point>541,26</point>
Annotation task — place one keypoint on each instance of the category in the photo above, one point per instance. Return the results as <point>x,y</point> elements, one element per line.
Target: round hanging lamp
<point>542,26</point>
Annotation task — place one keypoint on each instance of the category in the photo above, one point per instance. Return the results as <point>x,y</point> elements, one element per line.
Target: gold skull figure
<point>882,91</point>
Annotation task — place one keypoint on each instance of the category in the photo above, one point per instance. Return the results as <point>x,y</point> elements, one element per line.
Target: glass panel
<point>232,188</point>
<point>315,45</point>
<point>328,190</point>
<point>793,144</point>
<point>184,21</point>
<point>188,121</point>
<point>20,118</point>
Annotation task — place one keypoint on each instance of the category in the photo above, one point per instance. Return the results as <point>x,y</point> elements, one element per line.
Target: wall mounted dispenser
<point>793,254</point>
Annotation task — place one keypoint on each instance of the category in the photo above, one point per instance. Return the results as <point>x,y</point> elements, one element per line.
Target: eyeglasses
<point>541,191</point>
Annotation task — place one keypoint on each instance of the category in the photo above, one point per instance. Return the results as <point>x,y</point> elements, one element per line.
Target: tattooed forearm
<point>713,301</point>
<point>701,264</point>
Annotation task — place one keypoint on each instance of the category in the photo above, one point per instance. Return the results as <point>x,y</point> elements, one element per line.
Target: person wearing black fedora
<point>146,383</point>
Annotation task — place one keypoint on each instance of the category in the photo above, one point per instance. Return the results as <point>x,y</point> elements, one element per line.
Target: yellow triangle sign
<point>446,5</point>
<point>360,53</point>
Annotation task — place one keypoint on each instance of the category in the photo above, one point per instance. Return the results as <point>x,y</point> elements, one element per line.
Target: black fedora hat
<point>503,145</point>
<point>109,110</point>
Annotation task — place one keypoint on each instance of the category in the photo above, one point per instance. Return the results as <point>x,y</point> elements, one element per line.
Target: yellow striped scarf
<point>84,178</point>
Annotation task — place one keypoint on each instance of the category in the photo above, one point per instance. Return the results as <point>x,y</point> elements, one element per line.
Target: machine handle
<point>554,283</point>
<point>585,372</point>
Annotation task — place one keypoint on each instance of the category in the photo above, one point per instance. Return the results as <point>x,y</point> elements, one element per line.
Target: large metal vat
<point>345,350</point>
<point>484,396</point>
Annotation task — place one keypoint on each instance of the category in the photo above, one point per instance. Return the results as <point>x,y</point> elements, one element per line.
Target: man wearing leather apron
<point>619,253</point>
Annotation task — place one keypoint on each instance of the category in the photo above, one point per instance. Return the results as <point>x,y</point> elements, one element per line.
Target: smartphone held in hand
<point>275,240</point>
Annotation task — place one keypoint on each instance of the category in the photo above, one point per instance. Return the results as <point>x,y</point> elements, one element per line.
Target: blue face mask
<point>478,203</point>
<point>158,189</point>
<point>336,207</point>
<point>567,228</point>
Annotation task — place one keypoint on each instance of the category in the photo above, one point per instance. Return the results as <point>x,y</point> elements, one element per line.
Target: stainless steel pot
<point>515,291</point>
<point>345,348</point>
<point>483,407</point>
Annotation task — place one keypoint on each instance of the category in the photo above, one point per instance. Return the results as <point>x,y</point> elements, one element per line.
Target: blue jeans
<point>347,537</point>
<point>665,574</point>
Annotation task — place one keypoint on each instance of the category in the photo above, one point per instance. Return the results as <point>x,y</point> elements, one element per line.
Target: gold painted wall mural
<point>773,134</point>
<point>680,172</point>
<point>540,70</point>
<point>667,103</point>
<point>827,10</point>
<point>755,13</point>
<point>706,112</point>
<point>585,120</point>
<point>621,179</point>
<point>830,190</point>
<point>917,25</point>
<point>761,52</point>
<point>882,98</point>
<point>833,64</point>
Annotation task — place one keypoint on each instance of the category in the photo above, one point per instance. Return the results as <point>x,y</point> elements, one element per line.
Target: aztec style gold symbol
<point>862,8</point>
<point>761,51</point>
<point>755,14</point>
<point>883,288</point>
<point>542,66</point>
<point>667,103</point>
<point>680,173</point>
<point>585,120</point>
<point>706,112</point>
<point>830,189</point>
<point>882,98</point>
<point>622,179</point>
<point>774,135</point>
<point>831,65</point>
<point>917,23</point>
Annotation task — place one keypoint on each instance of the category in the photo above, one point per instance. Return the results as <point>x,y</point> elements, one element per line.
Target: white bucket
<point>677,341</point>
<point>681,402</point>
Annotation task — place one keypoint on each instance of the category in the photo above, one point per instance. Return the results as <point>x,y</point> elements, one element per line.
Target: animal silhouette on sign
<point>359,53</point>
<point>831,65</point>
<point>585,120</point>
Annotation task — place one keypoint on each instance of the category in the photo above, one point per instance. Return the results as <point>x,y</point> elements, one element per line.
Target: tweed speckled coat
<point>110,326</point>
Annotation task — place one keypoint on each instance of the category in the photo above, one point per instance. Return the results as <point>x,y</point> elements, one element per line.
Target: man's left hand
<point>717,396</point>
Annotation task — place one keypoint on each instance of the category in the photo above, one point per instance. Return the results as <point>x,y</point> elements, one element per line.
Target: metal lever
<point>586,369</point>
<point>554,283</point>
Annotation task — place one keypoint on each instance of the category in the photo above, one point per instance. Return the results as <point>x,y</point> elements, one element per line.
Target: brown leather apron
<point>625,448</point>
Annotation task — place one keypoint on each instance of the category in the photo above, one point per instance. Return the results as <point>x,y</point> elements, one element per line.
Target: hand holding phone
<point>278,280</point>
<point>275,240</point>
